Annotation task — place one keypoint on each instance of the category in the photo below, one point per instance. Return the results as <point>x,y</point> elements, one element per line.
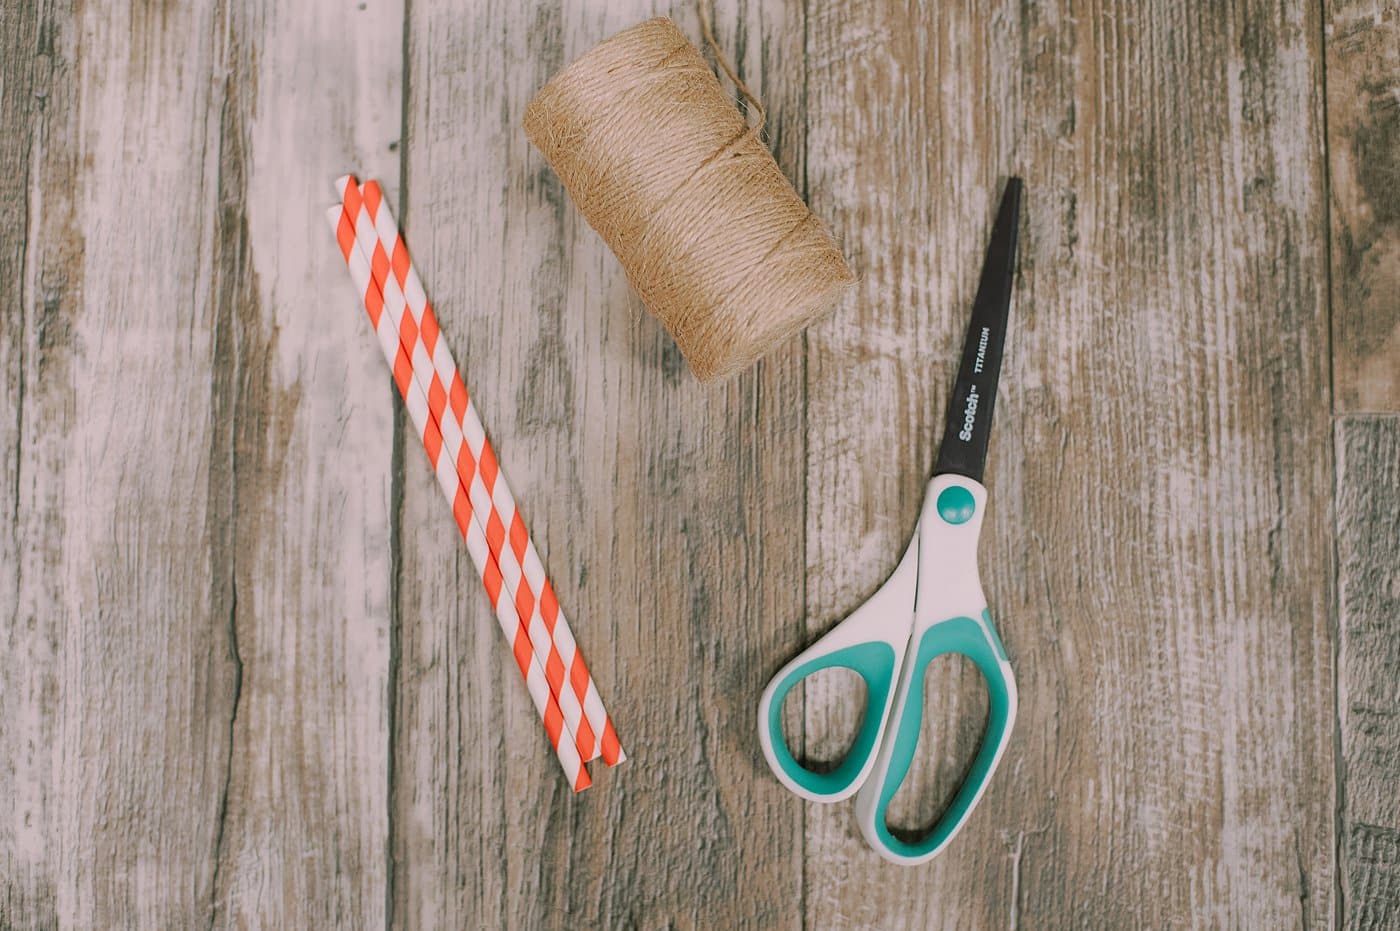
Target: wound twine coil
<point>709,231</point>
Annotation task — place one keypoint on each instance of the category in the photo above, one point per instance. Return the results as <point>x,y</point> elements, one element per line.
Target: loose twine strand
<point>708,230</point>
<point>707,27</point>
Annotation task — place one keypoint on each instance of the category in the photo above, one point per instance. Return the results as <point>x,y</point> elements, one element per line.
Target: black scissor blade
<point>964,449</point>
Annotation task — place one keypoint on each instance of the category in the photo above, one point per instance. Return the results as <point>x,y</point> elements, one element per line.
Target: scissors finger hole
<point>822,716</point>
<point>954,719</point>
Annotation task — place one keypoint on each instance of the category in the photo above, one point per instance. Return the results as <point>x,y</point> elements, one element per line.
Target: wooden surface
<point>248,677</point>
<point>1157,550</point>
<point>1368,518</point>
<point>1363,145</point>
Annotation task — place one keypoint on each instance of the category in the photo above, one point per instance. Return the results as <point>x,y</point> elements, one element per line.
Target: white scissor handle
<point>950,617</point>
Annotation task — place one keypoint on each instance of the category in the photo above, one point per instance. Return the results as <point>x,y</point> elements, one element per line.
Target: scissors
<point>930,607</point>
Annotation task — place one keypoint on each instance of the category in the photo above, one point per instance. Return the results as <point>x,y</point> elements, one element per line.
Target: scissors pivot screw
<point>956,505</point>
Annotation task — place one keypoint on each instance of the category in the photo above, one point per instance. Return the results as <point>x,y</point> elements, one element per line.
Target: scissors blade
<point>964,449</point>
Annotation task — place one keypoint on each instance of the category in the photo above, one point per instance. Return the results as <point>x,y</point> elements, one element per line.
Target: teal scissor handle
<point>872,643</point>
<point>976,639</point>
<point>931,606</point>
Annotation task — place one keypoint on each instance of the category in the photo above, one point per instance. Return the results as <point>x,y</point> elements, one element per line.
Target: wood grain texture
<point>1368,551</point>
<point>1363,147</point>
<point>29,671</point>
<point>117,704</point>
<point>641,488</point>
<point>193,716</point>
<point>305,439</point>
<point>247,673</point>
<point>1158,552</point>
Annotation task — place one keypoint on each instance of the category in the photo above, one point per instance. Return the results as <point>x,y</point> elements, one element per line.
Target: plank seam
<point>396,499</point>
<point>396,503</point>
<point>1334,623</point>
<point>235,656</point>
<point>1327,209</point>
<point>396,496</point>
<point>804,149</point>
<point>26,294</point>
<point>27,291</point>
<point>1334,615</point>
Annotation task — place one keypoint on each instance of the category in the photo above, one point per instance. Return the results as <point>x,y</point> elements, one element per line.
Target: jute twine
<point>710,233</point>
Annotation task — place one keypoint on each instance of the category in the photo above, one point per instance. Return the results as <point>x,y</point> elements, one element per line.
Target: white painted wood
<point>117,683</point>
<point>313,91</point>
<point>195,662</point>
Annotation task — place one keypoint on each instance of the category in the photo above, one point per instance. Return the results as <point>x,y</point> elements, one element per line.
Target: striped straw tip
<point>611,747</point>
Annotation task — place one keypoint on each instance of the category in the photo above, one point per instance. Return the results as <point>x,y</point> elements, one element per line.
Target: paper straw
<point>476,467</point>
<point>536,682</point>
<point>490,493</point>
<point>468,457</point>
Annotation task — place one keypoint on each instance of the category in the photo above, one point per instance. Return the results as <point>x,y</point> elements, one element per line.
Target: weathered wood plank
<point>1363,148</point>
<point>1158,551</point>
<point>29,669</point>
<point>305,433</point>
<point>667,513</point>
<point>1368,551</point>
<point>117,712</point>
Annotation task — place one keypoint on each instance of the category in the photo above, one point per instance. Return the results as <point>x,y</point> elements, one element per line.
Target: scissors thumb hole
<point>955,717</point>
<point>827,708</point>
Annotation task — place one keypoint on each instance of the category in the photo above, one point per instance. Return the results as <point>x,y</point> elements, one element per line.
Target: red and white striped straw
<point>531,669</point>
<point>490,494</point>
<point>474,460</point>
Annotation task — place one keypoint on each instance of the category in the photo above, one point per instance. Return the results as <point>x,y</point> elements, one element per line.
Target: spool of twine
<point>710,232</point>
